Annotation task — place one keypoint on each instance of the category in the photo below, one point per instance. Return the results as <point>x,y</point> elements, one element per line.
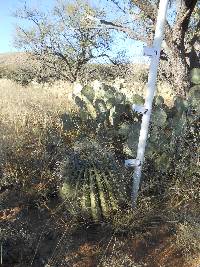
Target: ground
<point>44,236</point>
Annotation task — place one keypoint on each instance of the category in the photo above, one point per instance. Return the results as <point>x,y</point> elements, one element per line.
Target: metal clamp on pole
<point>132,162</point>
<point>149,51</point>
<point>139,109</point>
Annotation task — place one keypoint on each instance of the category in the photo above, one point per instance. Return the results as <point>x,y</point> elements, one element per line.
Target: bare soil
<point>44,236</point>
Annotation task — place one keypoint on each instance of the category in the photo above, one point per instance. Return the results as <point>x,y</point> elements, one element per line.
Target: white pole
<point>151,86</point>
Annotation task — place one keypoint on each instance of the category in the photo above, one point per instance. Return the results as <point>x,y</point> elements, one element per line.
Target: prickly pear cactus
<point>195,76</point>
<point>159,117</point>
<point>130,146</point>
<point>194,98</point>
<point>124,130</point>
<point>163,161</point>
<point>137,99</point>
<point>88,92</point>
<point>179,120</point>
<point>181,105</point>
<point>159,101</point>
<point>93,181</point>
<point>179,125</point>
<point>106,106</point>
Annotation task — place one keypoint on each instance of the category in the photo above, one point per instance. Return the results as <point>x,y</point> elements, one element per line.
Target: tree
<point>64,40</point>
<point>181,48</point>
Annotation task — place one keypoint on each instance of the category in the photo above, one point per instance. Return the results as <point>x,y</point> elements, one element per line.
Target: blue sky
<point>8,23</point>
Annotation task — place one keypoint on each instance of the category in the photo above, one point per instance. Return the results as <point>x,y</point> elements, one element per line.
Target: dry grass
<point>27,113</point>
<point>31,130</point>
<point>33,143</point>
<point>188,238</point>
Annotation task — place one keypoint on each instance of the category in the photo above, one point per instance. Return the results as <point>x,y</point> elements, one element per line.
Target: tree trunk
<point>174,68</point>
<point>175,40</point>
<point>180,74</point>
<point>176,51</point>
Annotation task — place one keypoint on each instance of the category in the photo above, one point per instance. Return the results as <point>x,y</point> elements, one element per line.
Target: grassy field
<point>35,227</point>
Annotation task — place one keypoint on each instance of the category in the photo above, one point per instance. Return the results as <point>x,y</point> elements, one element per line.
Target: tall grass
<point>32,131</point>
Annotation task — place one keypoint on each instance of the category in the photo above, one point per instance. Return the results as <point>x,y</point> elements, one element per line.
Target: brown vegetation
<point>36,228</point>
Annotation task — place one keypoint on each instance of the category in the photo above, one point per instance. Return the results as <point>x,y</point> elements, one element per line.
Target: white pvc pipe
<point>151,86</point>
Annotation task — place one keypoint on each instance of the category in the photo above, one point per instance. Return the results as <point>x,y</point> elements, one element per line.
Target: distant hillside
<point>13,60</point>
<point>17,66</point>
<point>20,67</point>
<point>17,59</point>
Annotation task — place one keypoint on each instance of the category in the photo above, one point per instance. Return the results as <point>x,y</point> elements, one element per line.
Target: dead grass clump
<point>188,239</point>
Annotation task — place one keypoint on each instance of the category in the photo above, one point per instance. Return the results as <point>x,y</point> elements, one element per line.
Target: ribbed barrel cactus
<point>93,181</point>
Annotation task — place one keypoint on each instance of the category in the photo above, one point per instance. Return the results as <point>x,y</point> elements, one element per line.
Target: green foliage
<point>194,98</point>
<point>107,114</point>
<point>108,110</point>
<point>64,39</point>
<point>195,75</point>
<point>137,99</point>
<point>26,69</point>
<point>103,107</point>
<point>159,117</point>
<point>22,76</point>
<point>88,92</point>
<point>18,74</point>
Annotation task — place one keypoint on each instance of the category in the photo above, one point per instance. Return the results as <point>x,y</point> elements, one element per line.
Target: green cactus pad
<point>195,76</point>
<point>181,104</point>
<point>194,98</point>
<point>179,125</point>
<point>159,117</point>
<point>100,106</point>
<point>88,92</point>
<point>137,99</point>
<point>159,101</point>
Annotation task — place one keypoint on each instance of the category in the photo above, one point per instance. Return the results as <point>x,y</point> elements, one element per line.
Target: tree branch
<point>117,4</point>
<point>184,13</point>
<point>124,29</point>
<point>147,7</point>
<point>195,37</point>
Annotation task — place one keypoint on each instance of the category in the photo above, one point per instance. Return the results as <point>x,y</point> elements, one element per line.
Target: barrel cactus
<point>93,181</point>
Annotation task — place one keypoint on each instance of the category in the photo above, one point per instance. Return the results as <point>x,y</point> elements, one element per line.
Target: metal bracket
<point>149,51</point>
<point>139,109</point>
<point>132,163</point>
